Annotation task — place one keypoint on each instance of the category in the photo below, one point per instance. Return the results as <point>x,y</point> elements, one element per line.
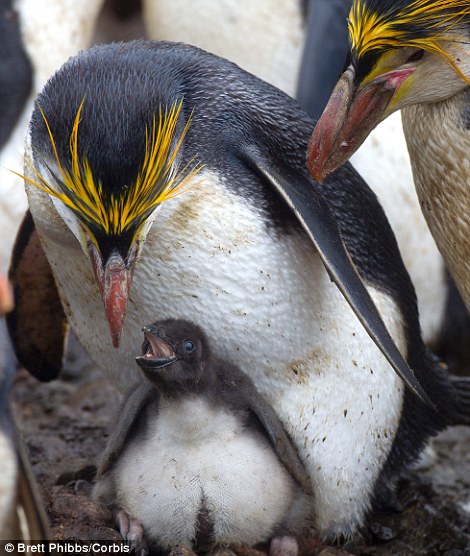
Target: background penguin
<point>368,58</point>
<point>22,515</point>
<point>322,57</point>
<point>429,70</point>
<point>15,88</point>
<point>384,163</point>
<point>35,39</point>
<point>198,458</point>
<point>244,250</point>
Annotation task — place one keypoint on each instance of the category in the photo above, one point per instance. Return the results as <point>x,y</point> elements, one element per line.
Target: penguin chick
<point>198,458</point>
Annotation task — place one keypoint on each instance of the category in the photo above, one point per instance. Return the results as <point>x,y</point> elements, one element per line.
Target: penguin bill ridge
<point>244,253</point>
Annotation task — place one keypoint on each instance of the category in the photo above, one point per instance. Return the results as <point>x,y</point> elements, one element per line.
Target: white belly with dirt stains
<point>268,305</point>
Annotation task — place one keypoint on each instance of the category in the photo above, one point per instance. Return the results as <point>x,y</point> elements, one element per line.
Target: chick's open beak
<point>350,115</point>
<point>157,352</point>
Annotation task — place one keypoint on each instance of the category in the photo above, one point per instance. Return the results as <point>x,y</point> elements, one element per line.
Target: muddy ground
<point>65,424</point>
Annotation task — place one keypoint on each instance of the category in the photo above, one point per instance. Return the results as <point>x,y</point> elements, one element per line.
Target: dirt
<point>65,424</point>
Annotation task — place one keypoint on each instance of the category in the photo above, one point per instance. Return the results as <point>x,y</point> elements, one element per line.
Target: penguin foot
<point>132,532</point>
<point>279,546</point>
<point>284,546</point>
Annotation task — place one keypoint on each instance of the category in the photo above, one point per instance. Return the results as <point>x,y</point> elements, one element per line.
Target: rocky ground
<point>65,423</point>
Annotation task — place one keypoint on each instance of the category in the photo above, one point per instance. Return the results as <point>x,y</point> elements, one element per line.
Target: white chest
<point>195,457</point>
<point>268,305</point>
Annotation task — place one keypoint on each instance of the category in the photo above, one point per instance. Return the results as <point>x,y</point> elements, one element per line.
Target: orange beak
<point>350,115</point>
<point>114,281</point>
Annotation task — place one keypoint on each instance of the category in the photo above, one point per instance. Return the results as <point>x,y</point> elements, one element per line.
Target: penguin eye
<point>416,56</point>
<point>188,346</point>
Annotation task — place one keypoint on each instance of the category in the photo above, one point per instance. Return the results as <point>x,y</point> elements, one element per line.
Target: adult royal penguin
<point>410,55</point>
<point>284,42</point>
<point>251,247</point>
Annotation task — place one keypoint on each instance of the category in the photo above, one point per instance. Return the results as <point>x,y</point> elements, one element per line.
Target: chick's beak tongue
<point>158,347</point>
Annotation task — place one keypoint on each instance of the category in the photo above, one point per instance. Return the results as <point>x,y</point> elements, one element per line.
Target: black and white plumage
<point>27,31</point>
<point>197,457</point>
<point>231,252</point>
<point>298,46</point>
<point>15,87</point>
<point>267,38</point>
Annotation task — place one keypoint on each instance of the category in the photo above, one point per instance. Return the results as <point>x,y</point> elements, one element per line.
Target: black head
<point>112,142</point>
<point>175,356</point>
<point>108,137</point>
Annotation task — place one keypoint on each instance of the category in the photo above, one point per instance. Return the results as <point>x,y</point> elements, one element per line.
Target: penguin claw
<point>132,532</point>
<point>122,523</point>
<point>283,546</point>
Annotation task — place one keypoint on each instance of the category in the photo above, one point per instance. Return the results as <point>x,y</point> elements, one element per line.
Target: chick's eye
<point>188,346</point>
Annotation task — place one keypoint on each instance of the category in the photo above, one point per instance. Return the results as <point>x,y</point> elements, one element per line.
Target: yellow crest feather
<point>158,179</point>
<point>422,24</point>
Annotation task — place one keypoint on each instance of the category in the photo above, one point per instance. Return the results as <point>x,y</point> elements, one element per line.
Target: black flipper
<point>277,435</point>
<point>37,325</point>
<point>315,217</point>
<point>135,402</point>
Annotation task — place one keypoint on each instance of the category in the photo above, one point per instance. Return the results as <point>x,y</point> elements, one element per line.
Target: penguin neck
<point>194,417</point>
<point>174,394</point>
<point>438,137</point>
